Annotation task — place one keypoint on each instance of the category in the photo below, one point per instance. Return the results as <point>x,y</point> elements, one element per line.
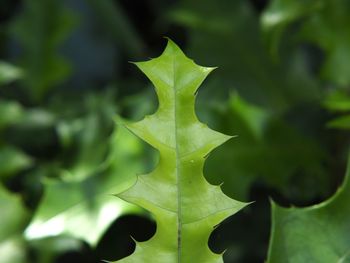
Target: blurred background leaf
<point>49,23</point>
<point>9,73</point>
<point>325,24</point>
<point>14,215</point>
<point>14,218</point>
<point>88,206</point>
<point>12,161</point>
<point>262,152</point>
<point>338,102</point>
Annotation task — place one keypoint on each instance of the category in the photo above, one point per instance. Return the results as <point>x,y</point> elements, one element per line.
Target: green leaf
<point>325,23</point>
<point>10,113</point>
<point>342,122</point>
<point>9,73</point>
<point>13,220</point>
<point>339,100</point>
<point>46,250</point>
<point>319,233</point>
<point>40,29</point>
<point>278,89</point>
<point>185,206</point>
<point>83,138</point>
<point>214,30</point>
<point>281,13</point>
<point>12,161</point>
<point>329,29</point>
<point>14,216</point>
<point>13,250</point>
<point>85,208</point>
<point>263,140</point>
<point>253,117</point>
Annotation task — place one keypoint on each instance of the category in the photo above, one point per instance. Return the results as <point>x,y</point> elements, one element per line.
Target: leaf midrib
<point>179,215</point>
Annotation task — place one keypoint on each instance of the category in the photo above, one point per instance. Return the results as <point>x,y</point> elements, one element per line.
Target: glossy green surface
<point>185,206</point>
<point>318,233</point>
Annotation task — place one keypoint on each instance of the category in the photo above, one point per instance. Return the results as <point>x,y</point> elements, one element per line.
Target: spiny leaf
<point>319,233</point>
<point>186,207</point>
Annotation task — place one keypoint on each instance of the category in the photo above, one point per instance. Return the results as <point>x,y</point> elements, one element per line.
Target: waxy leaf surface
<point>319,233</point>
<point>185,206</point>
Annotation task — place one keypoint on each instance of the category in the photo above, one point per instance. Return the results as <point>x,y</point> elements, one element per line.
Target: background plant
<point>282,86</point>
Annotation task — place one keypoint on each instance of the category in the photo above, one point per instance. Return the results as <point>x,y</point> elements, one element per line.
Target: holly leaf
<point>185,206</point>
<point>318,233</point>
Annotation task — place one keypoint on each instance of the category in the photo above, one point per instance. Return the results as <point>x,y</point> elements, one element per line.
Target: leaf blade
<point>185,206</point>
<point>312,234</point>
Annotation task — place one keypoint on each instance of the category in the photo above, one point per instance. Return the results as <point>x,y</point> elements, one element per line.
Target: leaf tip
<point>122,194</point>
<point>170,41</point>
<point>172,47</point>
<point>209,69</point>
<point>223,252</point>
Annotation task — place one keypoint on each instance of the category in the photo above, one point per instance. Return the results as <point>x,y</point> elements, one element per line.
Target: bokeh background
<point>282,85</point>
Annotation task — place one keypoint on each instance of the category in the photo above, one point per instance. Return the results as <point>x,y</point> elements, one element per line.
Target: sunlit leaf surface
<point>185,206</point>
